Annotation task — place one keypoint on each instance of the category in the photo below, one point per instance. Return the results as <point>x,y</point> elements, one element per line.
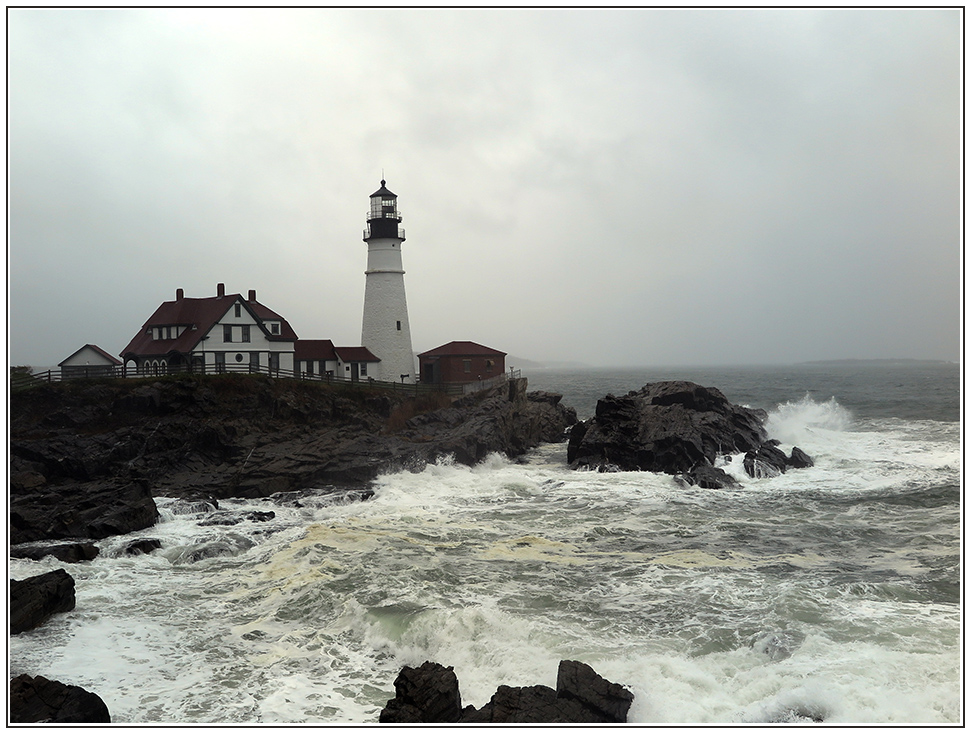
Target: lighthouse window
<point>399,326</point>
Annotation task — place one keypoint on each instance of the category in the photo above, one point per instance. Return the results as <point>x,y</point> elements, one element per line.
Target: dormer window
<point>274,328</point>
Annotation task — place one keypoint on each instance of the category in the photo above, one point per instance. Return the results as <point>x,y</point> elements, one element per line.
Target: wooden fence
<point>22,380</point>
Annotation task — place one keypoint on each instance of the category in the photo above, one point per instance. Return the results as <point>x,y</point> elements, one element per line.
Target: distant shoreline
<point>877,361</point>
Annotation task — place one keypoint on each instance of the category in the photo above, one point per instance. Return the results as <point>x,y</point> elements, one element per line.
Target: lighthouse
<point>386,332</point>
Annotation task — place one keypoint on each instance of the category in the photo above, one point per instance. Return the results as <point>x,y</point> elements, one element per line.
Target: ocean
<point>829,594</point>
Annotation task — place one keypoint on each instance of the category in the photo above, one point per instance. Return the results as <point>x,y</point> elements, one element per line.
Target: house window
<point>490,363</point>
<point>220,362</point>
<point>245,332</point>
<point>227,333</point>
<point>310,368</point>
<point>238,310</point>
<point>254,361</point>
<point>467,365</point>
<point>363,369</point>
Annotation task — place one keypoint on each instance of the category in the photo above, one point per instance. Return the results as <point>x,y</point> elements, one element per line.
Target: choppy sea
<point>831,593</point>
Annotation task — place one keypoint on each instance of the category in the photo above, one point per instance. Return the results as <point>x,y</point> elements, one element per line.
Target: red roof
<point>200,315</point>
<point>355,354</point>
<point>462,349</point>
<point>305,349</point>
<point>96,348</point>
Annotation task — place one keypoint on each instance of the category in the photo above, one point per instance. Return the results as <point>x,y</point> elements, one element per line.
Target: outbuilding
<point>460,362</point>
<point>90,361</point>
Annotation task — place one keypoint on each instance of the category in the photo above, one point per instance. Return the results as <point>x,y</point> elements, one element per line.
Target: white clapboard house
<point>230,333</point>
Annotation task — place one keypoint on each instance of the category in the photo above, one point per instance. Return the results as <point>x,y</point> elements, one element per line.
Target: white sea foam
<point>808,595</point>
<point>805,421</point>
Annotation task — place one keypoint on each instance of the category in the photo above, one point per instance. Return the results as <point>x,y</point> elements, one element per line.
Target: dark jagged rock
<point>578,681</point>
<point>665,427</point>
<point>527,705</point>
<point>430,694</point>
<point>97,451</point>
<point>35,699</point>
<point>93,510</point>
<point>766,461</point>
<point>34,600</point>
<point>677,428</point>
<point>799,459</point>
<point>67,552</point>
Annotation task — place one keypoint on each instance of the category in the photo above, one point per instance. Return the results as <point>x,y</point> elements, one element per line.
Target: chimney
<point>220,289</point>
<point>252,296</point>
<point>179,294</point>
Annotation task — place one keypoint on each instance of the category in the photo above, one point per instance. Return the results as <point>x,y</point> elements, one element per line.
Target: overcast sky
<point>613,187</point>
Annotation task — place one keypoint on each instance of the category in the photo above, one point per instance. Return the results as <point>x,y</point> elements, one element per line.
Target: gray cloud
<point>607,186</point>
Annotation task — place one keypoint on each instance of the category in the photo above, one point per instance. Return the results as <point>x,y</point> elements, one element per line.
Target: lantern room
<point>383,217</point>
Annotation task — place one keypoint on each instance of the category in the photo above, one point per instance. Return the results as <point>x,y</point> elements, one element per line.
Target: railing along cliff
<point>23,381</point>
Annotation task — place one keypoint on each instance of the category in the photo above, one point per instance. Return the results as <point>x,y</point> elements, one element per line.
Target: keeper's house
<point>223,333</point>
<point>459,362</point>
<point>90,361</point>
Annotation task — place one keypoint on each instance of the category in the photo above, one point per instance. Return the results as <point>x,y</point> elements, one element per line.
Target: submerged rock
<point>227,517</point>
<point>709,477</point>
<point>430,694</point>
<point>67,552</point>
<point>141,546</point>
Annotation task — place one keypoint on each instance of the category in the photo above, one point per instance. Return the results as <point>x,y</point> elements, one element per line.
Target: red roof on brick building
<point>462,349</point>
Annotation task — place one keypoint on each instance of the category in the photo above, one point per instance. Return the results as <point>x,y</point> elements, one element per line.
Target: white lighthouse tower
<point>386,332</point>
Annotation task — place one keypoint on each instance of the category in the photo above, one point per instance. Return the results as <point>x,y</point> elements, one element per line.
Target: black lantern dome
<point>383,216</point>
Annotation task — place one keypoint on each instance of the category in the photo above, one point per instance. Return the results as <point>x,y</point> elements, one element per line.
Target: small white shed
<point>90,361</point>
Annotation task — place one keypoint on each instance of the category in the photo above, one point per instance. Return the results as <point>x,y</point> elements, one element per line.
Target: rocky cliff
<point>87,456</point>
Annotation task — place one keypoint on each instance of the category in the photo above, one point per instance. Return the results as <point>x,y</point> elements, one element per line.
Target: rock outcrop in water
<point>35,699</point>
<point>36,599</point>
<point>88,456</point>
<point>677,428</point>
<point>430,694</point>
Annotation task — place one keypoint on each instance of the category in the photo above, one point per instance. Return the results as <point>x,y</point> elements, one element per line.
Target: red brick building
<point>458,362</point>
